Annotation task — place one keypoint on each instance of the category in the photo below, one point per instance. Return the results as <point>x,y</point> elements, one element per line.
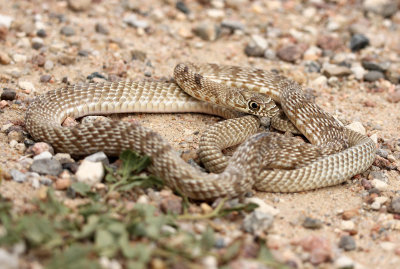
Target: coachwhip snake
<point>266,161</point>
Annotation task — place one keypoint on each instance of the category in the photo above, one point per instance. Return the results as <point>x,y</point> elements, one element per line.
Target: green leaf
<point>207,239</point>
<point>132,163</point>
<point>81,188</point>
<point>240,207</point>
<point>231,251</point>
<point>105,243</point>
<point>73,257</point>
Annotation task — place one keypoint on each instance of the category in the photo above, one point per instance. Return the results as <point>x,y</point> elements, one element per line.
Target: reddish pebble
<point>319,248</point>
<point>62,183</point>
<point>40,147</point>
<point>349,214</point>
<point>3,103</point>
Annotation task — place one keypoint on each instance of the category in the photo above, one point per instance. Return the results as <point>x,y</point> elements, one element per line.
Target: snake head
<point>258,104</point>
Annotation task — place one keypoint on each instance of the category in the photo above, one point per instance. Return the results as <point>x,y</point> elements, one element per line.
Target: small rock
<point>100,28</point>
<point>15,135</point>
<point>40,147</point>
<point>8,260</point>
<point>26,85</point>
<point>19,58</point>
<point>378,175</point>
<point>18,176</point>
<point>383,153</point>
<point>331,70</point>
<point>4,58</point>
<point>257,222</point>
<point>41,33</point>
<point>358,42</point>
<point>43,155</point>
<point>347,225</point>
<point>62,183</point>
<point>344,262</point>
<point>347,243</point>
<point>98,157</point>
<point>311,223</point>
<point>329,42</point>
<point>138,55</point>
<point>379,184</point>
<point>79,5</point>
<point>358,72</point>
<point>233,25</point>
<point>251,50</point>
<point>46,167</point>
<point>291,53</point>
<point>207,31</point>
<point>375,66</point>
<point>394,97</point>
<point>39,60</point>
<point>90,173</point>
<point>263,206</point>
<point>395,205</point>
<point>357,127</point>
<point>378,202</point>
<point>45,78</point>
<point>132,21</point>
<point>67,31</point>
<point>385,8</point>
<point>372,76</point>
<point>319,248</point>
<point>349,214</point>
<point>3,103</point>
<point>8,94</point>
<point>6,21</point>
<point>312,54</point>
<point>388,246</point>
<point>48,65</point>
<point>66,59</point>
<point>181,6</point>
<point>171,204</point>
<point>37,43</point>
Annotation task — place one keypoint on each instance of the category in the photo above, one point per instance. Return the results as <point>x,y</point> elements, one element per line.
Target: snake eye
<point>253,105</point>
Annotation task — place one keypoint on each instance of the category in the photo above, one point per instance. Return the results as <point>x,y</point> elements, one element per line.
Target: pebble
<point>347,243</point>
<point>251,50</point>
<point>181,6</point>
<point>378,202</point>
<point>291,53</point>
<point>379,184</point>
<point>46,166</point>
<point>329,42</point>
<point>311,223</point>
<point>344,262</point>
<point>349,214</point>
<point>19,58</point>
<point>394,97</point>
<point>38,60</point>
<point>382,152</point>
<point>312,54</point>
<point>41,33</point>
<point>6,20</point>
<point>233,25</point>
<point>8,94</point>
<point>37,43</point>
<point>171,204</point>
<point>101,29</point>
<point>79,5</point>
<point>257,222</point>
<point>45,78</point>
<point>90,173</point>
<point>48,65</point>
<point>372,76</point>
<point>67,31</point>
<point>18,176</point>
<point>357,127</point>
<point>133,21</point>
<point>331,70</point>
<point>138,55</point>
<point>207,31</point>
<point>4,58</point>
<point>358,42</point>
<point>62,183</point>
<point>388,246</point>
<point>375,66</point>
<point>3,104</point>
<point>319,248</point>
<point>26,85</point>
<point>358,72</point>
<point>385,8</point>
<point>347,225</point>
<point>263,206</point>
<point>98,157</point>
<point>40,147</point>
<point>395,205</point>
<point>381,175</point>
<point>43,155</point>
<point>16,135</point>
<point>8,260</point>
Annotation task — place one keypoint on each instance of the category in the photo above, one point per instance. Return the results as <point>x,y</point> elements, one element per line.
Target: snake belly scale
<point>265,161</point>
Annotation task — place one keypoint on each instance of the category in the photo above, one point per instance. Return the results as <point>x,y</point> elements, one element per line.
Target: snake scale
<point>266,161</point>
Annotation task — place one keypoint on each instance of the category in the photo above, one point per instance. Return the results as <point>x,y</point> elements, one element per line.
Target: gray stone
<point>207,31</point>
<point>18,176</point>
<point>8,260</point>
<point>8,94</point>
<point>385,8</point>
<point>100,28</point>
<point>347,243</point>
<point>373,76</point>
<point>133,21</point>
<point>46,167</point>
<point>311,223</point>
<point>382,152</point>
<point>358,42</point>
<point>336,71</point>
<point>67,31</point>
<point>98,157</point>
<point>376,66</point>
<point>233,25</point>
<point>257,222</point>
<point>395,205</point>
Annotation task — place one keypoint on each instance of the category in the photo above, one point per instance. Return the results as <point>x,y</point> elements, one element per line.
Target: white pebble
<point>6,20</point>
<point>347,225</point>
<point>19,58</point>
<point>262,206</point>
<point>344,262</point>
<point>388,246</point>
<point>90,173</point>
<point>43,155</point>
<point>26,85</point>
<point>379,184</point>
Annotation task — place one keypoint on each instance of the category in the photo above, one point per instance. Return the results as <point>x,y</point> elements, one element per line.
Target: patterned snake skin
<point>265,161</point>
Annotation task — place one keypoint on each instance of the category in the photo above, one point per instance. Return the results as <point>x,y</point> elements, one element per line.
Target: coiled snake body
<point>266,161</point>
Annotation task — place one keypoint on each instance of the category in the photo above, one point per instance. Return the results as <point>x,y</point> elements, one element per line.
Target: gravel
<point>347,243</point>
